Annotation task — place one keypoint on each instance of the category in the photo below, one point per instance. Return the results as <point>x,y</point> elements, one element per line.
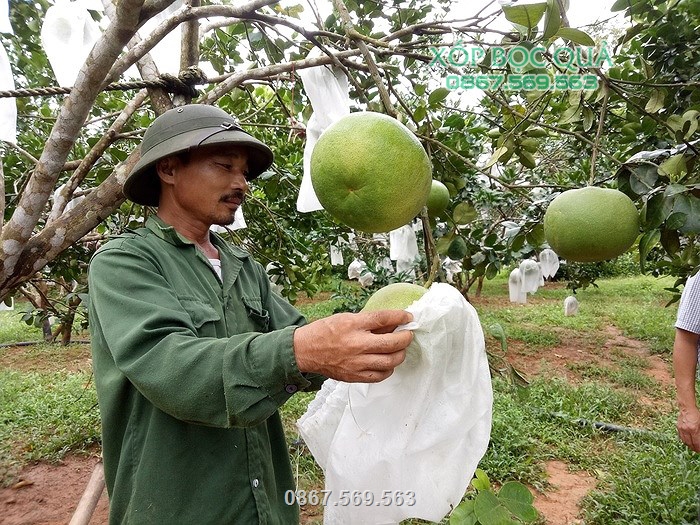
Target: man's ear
<point>166,169</point>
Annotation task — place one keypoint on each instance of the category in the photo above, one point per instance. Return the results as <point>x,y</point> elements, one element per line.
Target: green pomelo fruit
<point>591,224</point>
<point>370,172</point>
<point>396,296</point>
<point>438,199</point>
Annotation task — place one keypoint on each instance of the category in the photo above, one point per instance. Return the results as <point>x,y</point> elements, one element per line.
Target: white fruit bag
<point>8,106</point>
<point>5,24</point>
<point>68,34</point>
<point>166,53</point>
<point>403,244</point>
<point>407,447</point>
<point>530,276</point>
<point>570,306</point>
<point>515,287</point>
<point>549,262</point>
<point>328,90</point>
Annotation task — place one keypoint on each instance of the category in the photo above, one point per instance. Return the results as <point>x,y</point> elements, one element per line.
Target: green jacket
<point>190,373</point>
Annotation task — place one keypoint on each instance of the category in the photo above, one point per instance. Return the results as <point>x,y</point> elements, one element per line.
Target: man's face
<point>208,187</point>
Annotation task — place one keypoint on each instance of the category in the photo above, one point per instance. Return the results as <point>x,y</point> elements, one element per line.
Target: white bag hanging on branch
<point>355,268</point>
<point>407,447</point>
<point>549,262</point>
<point>452,267</point>
<point>336,255</point>
<point>237,224</point>
<point>403,245</point>
<point>166,53</point>
<point>68,34</point>
<point>530,275</point>
<point>5,25</point>
<point>8,106</point>
<point>329,93</point>
<point>366,279</point>
<point>515,287</point>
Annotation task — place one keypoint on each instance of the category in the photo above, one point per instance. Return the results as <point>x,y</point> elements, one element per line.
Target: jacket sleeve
<point>146,338</point>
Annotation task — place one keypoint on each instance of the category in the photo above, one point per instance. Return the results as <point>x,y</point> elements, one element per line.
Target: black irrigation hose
<point>609,427</point>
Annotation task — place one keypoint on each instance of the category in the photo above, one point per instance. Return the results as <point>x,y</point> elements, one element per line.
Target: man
<point>685,359</point>
<point>193,354</point>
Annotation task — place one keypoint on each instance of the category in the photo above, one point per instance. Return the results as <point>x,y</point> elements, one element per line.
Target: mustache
<point>236,194</point>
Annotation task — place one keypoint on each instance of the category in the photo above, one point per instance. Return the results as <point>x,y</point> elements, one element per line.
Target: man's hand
<point>356,348</point>
<point>689,428</point>
<point>685,358</point>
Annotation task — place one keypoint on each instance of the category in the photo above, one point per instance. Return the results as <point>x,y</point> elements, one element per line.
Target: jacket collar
<point>170,235</point>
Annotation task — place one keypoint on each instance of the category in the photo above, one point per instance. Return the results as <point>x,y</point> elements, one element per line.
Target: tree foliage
<point>502,158</point>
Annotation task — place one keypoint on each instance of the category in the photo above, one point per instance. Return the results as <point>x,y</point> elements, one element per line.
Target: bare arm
<point>353,347</point>
<point>685,356</point>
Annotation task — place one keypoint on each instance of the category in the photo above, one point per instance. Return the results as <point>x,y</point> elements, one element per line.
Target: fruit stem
<point>596,143</point>
<point>431,257</point>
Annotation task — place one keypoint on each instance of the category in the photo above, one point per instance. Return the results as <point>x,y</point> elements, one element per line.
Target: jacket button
<point>291,388</point>
<point>256,483</point>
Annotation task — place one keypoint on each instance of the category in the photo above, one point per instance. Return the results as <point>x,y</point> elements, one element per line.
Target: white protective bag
<point>407,447</point>
<point>328,90</point>
<point>68,34</point>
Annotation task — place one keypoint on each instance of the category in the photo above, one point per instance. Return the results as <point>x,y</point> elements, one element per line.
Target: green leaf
<point>490,511</point>
<point>552,21</point>
<point>655,211</point>
<point>535,237</point>
<point>443,244</point>
<point>463,514</point>
<point>496,330</point>
<point>671,240</point>
<point>481,480</point>
<point>676,221</point>
<point>643,179</point>
<point>656,101</point>
<point>438,96</point>
<point>458,249</point>
<point>571,114</point>
<point>621,5</point>
<point>674,167</point>
<point>588,119</point>
<point>420,113</point>
<point>575,36</point>
<point>464,213</point>
<point>689,205</point>
<point>500,152</point>
<point>518,499</point>
<point>525,15</point>
<point>646,243</point>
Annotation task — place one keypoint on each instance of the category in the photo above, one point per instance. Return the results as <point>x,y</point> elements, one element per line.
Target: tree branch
<point>73,114</point>
<point>369,59</point>
<point>64,196</point>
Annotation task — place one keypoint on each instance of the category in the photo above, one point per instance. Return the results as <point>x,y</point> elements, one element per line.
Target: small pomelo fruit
<point>396,296</point>
<point>591,224</point>
<point>370,172</point>
<point>438,199</point>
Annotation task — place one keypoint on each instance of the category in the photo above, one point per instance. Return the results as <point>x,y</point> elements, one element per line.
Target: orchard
<point>451,129</point>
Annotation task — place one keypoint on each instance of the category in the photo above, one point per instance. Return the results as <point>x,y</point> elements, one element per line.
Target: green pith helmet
<point>184,128</point>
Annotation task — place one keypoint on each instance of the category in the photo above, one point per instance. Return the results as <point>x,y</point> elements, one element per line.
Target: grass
<point>644,474</point>
<point>44,415</point>
<point>12,329</point>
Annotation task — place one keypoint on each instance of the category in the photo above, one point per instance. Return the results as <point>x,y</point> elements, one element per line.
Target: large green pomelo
<point>396,296</point>
<point>438,199</point>
<point>370,172</point>
<point>591,224</point>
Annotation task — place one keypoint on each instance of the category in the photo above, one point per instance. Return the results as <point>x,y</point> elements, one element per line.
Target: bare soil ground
<point>47,494</point>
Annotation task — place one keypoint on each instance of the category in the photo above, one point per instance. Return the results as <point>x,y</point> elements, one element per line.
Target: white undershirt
<point>216,264</point>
